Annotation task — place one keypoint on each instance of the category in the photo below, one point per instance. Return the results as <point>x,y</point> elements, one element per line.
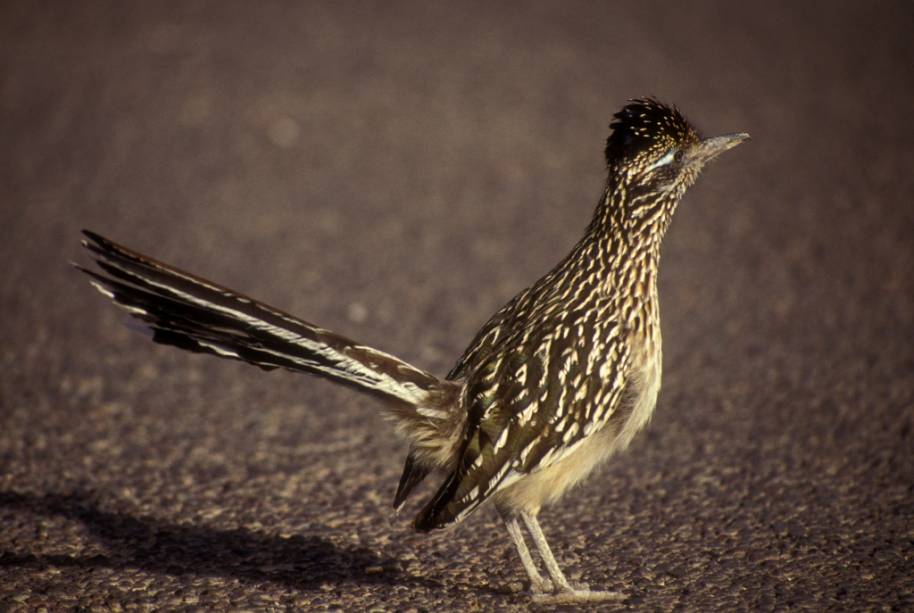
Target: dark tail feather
<point>197,315</point>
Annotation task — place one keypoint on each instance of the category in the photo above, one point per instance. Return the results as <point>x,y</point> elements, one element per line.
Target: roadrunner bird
<point>555,382</point>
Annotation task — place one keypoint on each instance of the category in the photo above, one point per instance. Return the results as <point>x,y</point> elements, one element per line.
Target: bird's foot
<point>576,594</point>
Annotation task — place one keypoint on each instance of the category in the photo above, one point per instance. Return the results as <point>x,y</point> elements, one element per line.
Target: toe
<point>576,596</point>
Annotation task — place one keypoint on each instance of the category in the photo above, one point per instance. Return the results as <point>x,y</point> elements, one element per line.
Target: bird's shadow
<point>150,544</point>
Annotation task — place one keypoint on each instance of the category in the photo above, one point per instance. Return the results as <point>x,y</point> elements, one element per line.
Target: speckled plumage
<point>578,353</point>
<point>556,381</point>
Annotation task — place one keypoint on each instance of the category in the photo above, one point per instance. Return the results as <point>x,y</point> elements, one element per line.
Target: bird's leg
<point>564,592</point>
<point>558,577</point>
<point>538,585</point>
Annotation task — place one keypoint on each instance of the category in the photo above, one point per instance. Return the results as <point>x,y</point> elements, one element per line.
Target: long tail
<point>197,315</point>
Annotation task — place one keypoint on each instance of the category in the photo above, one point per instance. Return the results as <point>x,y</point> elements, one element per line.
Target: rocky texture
<point>397,173</point>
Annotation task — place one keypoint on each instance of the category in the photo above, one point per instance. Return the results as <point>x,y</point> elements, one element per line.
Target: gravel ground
<point>396,172</point>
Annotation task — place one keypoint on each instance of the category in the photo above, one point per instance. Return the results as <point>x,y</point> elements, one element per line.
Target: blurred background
<point>396,172</point>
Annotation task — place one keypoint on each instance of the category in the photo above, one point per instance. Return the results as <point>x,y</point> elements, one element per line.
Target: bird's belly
<point>547,485</point>
<point>645,387</point>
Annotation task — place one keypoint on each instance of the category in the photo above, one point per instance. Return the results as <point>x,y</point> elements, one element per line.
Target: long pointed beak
<point>710,148</point>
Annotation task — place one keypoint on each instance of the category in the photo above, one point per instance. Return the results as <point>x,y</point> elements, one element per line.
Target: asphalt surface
<point>397,173</point>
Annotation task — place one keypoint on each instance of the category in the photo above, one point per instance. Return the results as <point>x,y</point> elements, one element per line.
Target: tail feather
<point>197,315</point>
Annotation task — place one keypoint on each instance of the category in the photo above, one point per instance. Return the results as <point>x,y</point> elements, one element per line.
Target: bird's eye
<point>666,159</point>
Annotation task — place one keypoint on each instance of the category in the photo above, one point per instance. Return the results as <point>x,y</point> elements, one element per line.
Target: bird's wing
<point>532,405</point>
<point>501,326</point>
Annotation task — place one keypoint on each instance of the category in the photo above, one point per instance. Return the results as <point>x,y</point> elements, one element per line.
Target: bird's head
<point>654,155</point>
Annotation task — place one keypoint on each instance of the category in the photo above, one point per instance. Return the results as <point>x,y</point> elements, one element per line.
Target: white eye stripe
<point>663,161</point>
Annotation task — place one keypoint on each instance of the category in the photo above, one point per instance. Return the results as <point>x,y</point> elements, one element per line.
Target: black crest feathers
<point>643,125</point>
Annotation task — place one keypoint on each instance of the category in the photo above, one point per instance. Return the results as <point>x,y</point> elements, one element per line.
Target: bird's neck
<point>615,257</point>
<point>627,249</point>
